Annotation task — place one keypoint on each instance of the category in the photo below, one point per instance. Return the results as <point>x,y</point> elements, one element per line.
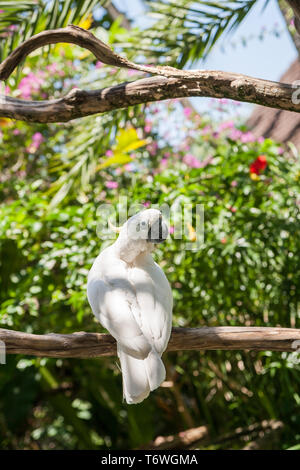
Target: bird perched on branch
<point>131,297</point>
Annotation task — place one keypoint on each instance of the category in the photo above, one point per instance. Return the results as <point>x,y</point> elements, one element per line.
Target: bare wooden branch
<point>171,83</point>
<point>85,345</point>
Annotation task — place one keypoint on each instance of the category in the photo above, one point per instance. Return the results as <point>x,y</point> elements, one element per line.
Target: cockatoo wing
<point>154,298</point>
<point>113,302</point>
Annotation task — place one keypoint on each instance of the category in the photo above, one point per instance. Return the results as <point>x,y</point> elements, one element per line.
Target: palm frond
<point>186,31</point>
<point>21,20</point>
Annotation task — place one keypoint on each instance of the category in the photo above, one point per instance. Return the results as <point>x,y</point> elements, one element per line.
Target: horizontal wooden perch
<point>169,83</point>
<point>85,345</point>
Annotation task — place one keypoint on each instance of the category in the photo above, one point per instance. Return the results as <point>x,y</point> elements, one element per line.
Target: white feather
<point>131,297</point>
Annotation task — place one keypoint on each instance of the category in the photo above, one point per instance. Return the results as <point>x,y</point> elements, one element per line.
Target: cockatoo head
<point>141,232</point>
<point>147,226</point>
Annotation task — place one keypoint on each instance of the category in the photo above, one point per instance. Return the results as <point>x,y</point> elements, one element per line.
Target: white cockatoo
<point>131,297</point>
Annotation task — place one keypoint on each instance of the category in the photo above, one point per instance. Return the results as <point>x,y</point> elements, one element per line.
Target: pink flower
<point>171,229</point>
<point>37,139</point>
<point>128,167</point>
<point>146,204</point>
<point>16,132</point>
<point>187,112</point>
<point>191,161</point>
<point>147,128</point>
<point>53,68</point>
<point>280,150</point>
<point>261,139</point>
<point>206,130</point>
<point>109,153</point>
<point>226,125</point>
<point>31,84</point>
<point>247,137</point>
<point>235,134</point>
<point>98,64</point>
<point>152,148</point>
<point>131,72</point>
<point>7,90</point>
<point>233,183</point>
<point>111,184</point>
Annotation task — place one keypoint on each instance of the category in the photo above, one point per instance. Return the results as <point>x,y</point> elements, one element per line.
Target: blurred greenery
<point>54,181</point>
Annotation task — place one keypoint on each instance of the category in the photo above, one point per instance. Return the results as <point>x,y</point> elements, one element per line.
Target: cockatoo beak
<point>158,231</point>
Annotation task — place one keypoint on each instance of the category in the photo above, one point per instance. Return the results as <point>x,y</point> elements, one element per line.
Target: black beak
<point>158,232</point>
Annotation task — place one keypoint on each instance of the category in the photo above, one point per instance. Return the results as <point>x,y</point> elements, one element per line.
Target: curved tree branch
<point>85,345</point>
<point>171,83</point>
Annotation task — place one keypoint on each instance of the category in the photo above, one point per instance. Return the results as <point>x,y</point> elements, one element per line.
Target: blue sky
<point>267,59</point>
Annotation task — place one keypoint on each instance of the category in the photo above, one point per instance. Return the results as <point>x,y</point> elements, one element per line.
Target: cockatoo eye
<point>143,224</point>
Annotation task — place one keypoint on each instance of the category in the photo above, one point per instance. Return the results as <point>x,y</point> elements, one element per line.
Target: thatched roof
<point>282,126</point>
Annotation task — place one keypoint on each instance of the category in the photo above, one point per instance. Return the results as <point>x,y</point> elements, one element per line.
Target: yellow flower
<point>86,21</point>
<point>254,177</point>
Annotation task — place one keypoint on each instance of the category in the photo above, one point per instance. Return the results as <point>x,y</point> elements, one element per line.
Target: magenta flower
<point>187,112</point>
<point>111,184</point>
<point>146,204</point>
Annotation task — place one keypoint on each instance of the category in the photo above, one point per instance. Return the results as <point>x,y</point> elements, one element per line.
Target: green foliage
<point>245,273</point>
